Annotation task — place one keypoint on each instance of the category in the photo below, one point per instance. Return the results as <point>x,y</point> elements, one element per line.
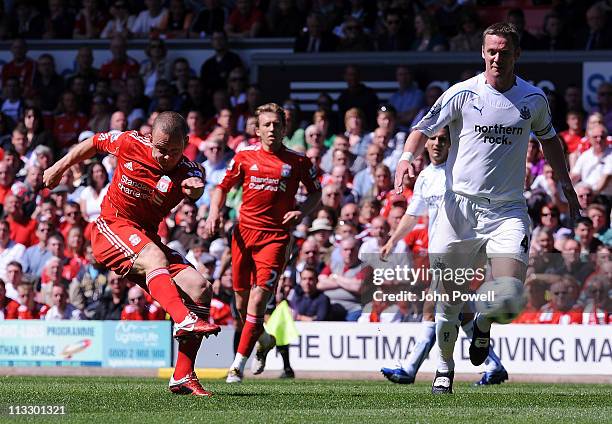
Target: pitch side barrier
<point>347,346</point>
<point>117,344</point>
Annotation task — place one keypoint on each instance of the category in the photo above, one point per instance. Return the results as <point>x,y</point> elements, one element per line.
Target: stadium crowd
<point>47,270</point>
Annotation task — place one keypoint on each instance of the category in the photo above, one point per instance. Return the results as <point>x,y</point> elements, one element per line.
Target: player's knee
<point>152,257</point>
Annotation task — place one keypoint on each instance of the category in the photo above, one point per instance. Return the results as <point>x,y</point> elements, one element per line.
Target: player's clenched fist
<point>193,187</point>
<point>52,176</point>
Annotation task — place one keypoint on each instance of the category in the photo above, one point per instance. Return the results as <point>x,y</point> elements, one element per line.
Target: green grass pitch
<point>147,401</point>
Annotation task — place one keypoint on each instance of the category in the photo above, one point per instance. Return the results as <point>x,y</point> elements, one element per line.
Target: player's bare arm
<point>217,200</point>
<point>82,151</point>
<point>415,143</point>
<point>309,205</point>
<point>553,152</point>
<point>406,225</point>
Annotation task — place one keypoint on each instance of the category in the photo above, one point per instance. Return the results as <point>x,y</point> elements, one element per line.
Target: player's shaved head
<point>170,123</point>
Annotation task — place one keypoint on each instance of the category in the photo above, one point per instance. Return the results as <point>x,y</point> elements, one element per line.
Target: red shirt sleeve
<point>108,142</point>
<point>234,174</point>
<point>326,270</point>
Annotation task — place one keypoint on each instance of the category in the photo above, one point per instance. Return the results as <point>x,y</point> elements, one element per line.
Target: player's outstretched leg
<point>495,373</point>
<point>196,292</point>
<point>405,373</point>
<point>153,263</point>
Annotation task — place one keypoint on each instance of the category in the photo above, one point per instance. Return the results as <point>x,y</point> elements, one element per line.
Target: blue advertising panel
<point>137,344</point>
<point>85,343</point>
<point>59,343</point>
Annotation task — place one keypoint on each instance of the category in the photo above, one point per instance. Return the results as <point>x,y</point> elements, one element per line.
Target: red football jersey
<point>66,128</point>
<point>151,313</point>
<point>141,192</point>
<point>23,71</point>
<point>269,184</point>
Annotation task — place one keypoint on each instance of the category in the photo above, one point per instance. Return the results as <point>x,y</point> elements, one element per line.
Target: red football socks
<point>253,327</point>
<point>185,359</point>
<point>163,290</point>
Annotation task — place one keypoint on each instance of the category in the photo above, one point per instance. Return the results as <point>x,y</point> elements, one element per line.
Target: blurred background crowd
<point>47,270</point>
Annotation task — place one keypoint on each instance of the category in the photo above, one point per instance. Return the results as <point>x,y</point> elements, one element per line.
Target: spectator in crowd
<point>47,84</point>
<point>111,303</point>
<point>149,22</point>
<point>544,258</point>
<point>14,277</point>
<point>427,39</point>
<point>364,179</point>
<point>598,308</point>
<point>585,235</point>
<point>246,109</point>
<point>469,37</point>
<point>597,35</point>
<point>306,301</point>
<point>284,19</point>
<point>121,21</point>
<point>90,21</point>
<point>528,41</point>
<point>315,38</point>
<point>353,129</point>
<point>321,229</point>
<point>6,303</point>
<point>22,226</point>
<point>197,132</point>
<point>69,123</point>
<point>209,20</point>
<point>561,309</point>
<point>61,309</point>
<point>12,104</point>
<point>178,20</point>
<point>6,180</point>
<point>342,283</point>
<point>138,309</point>
<point>181,72</point>
<point>597,214</point>
<point>26,22</point>
<point>358,95</point>
<point>21,66</point>
<point>157,67</point>
<point>215,164</point>
<point>92,195</point>
<point>393,35</point>
<point>59,22</point>
<point>585,194</point>
<point>594,166</point>
<point>36,256</point>
<point>84,68</point>
<point>554,35</point>
<point>185,231</point>
<point>245,20</point>
<point>548,185</point>
<point>53,273</point>
<point>33,120</point>
<point>72,217</point>
<point>88,287</point>
<point>9,249</point>
<point>604,103</point>
<point>120,66</point>
<point>408,99</point>
<point>355,39</point>
<point>27,308</point>
<point>100,115</point>
<point>574,132</point>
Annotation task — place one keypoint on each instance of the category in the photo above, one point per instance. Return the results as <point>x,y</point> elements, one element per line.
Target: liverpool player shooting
<point>151,178</point>
<point>270,174</point>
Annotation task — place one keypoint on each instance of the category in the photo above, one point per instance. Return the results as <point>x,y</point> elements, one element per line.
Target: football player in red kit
<point>151,178</point>
<point>270,175</point>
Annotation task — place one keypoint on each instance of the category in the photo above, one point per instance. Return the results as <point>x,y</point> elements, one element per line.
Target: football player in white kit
<point>490,117</point>
<point>428,193</point>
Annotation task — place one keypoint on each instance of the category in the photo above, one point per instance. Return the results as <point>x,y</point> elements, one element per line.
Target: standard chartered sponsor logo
<point>134,188</point>
<point>497,134</point>
<point>266,183</point>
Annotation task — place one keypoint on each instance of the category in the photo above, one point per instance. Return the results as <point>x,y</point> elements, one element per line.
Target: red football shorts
<point>117,243</point>
<point>258,257</point>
